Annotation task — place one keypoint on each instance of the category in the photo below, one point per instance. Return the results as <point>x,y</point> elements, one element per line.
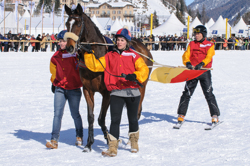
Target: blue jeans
<point>60,98</point>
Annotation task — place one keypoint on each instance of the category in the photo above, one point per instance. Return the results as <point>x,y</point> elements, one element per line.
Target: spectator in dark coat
<point>6,45</point>
<point>37,43</point>
<point>16,44</point>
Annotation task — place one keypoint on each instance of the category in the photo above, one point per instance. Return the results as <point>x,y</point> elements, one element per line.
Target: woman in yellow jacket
<point>122,60</point>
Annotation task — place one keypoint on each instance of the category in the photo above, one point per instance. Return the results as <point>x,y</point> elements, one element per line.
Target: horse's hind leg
<point>103,112</point>
<point>89,96</point>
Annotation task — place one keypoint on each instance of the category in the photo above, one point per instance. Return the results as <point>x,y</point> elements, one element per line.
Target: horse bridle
<point>82,28</point>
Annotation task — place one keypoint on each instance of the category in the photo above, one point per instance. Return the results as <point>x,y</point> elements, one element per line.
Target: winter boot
<point>79,141</point>
<point>215,119</point>
<point>180,118</point>
<point>113,146</point>
<point>133,138</point>
<point>52,144</point>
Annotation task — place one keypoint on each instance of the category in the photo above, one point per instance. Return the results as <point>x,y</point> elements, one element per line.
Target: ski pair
<point>211,127</point>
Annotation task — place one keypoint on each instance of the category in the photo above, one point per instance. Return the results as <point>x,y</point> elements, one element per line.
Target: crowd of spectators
<point>40,43</point>
<point>163,43</point>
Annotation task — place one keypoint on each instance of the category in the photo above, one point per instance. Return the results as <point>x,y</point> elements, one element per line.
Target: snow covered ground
<point>26,113</point>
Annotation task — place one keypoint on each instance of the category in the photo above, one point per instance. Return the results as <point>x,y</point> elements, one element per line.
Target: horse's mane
<point>96,28</point>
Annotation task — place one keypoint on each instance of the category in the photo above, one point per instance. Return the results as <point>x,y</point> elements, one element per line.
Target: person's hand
<point>131,77</point>
<point>189,65</point>
<point>53,88</point>
<point>199,66</point>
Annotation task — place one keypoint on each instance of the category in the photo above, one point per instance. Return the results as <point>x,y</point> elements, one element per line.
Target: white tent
<point>194,23</point>
<point>241,28</point>
<point>94,19</point>
<point>11,24</point>
<point>116,26</point>
<point>121,22</point>
<point>219,28</point>
<point>210,22</point>
<point>26,14</point>
<point>37,28</point>
<point>172,26</point>
<point>105,22</point>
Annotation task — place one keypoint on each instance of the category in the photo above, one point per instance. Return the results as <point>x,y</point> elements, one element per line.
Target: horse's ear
<point>79,9</point>
<point>68,10</point>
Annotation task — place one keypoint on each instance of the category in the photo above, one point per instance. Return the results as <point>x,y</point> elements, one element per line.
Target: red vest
<point>198,52</point>
<point>65,71</point>
<point>117,64</point>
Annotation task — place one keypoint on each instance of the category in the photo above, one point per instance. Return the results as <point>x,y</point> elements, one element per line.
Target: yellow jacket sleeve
<point>186,56</point>
<point>94,64</point>
<point>210,54</point>
<point>141,70</point>
<point>52,71</point>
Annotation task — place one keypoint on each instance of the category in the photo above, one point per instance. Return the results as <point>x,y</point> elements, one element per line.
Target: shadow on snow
<point>68,136</point>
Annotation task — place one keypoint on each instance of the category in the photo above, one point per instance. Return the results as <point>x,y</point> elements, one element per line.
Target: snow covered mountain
<point>226,8</point>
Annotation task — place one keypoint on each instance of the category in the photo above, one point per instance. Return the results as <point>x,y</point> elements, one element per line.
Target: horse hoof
<point>86,150</point>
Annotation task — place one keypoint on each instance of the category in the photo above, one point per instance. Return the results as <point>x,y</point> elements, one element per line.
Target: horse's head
<point>75,27</point>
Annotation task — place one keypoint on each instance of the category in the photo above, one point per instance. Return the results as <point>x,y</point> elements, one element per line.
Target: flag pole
<point>31,5</point>
<point>17,19</point>
<point>4,17</point>
<point>42,22</point>
<point>53,17</point>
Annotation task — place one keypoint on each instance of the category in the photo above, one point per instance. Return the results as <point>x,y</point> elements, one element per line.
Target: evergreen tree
<point>57,5</point>
<point>182,8</point>
<point>198,14</point>
<point>179,15</point>
<point>155,20</point>
<point>203,15</point>
<point>237,19</point>
<point>47,6</point>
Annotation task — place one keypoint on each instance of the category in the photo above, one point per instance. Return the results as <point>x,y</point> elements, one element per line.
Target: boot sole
<point>108,155</point>
<point>50,146</point>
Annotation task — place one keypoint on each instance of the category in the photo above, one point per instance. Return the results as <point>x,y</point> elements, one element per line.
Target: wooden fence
<point>144,42</point>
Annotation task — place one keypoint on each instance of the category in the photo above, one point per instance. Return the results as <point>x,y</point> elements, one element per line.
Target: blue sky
<point>189,2</point>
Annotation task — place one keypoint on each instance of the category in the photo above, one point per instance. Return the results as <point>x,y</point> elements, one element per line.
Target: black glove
<point>53,88</point>
<point>199,66</point>
<point>189,65</point>
<point>131,77</point>
<point>88,48</point>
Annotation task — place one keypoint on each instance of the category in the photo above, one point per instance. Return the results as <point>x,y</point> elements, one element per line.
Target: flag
<point>42,11</point>
<point>16,10</point>
<point>63,9</point>
<point>52,14</point>
<point>174,74</point>
<point>31,7</point>
<point>2,9</point>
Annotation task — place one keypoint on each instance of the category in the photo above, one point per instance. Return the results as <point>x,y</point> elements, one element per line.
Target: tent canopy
<point>172,26</point>
<point>241,28</point>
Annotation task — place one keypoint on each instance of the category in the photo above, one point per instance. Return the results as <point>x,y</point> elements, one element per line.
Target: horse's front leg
<point>142,90</point>
<point>103,112</point>
<point>89,96</point>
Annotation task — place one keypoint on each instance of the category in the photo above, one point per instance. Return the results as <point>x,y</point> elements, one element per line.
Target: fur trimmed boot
<point>79,141</point>
<point>113,146</point>
<point>53,144</point>
<point>133,138</point>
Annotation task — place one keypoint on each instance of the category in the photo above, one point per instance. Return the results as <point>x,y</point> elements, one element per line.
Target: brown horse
<point>80,25</point>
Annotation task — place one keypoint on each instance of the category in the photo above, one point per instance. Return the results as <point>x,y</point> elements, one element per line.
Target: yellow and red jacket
<point>199,52</point>
<point>65,71</point>
<point>128,62</point>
